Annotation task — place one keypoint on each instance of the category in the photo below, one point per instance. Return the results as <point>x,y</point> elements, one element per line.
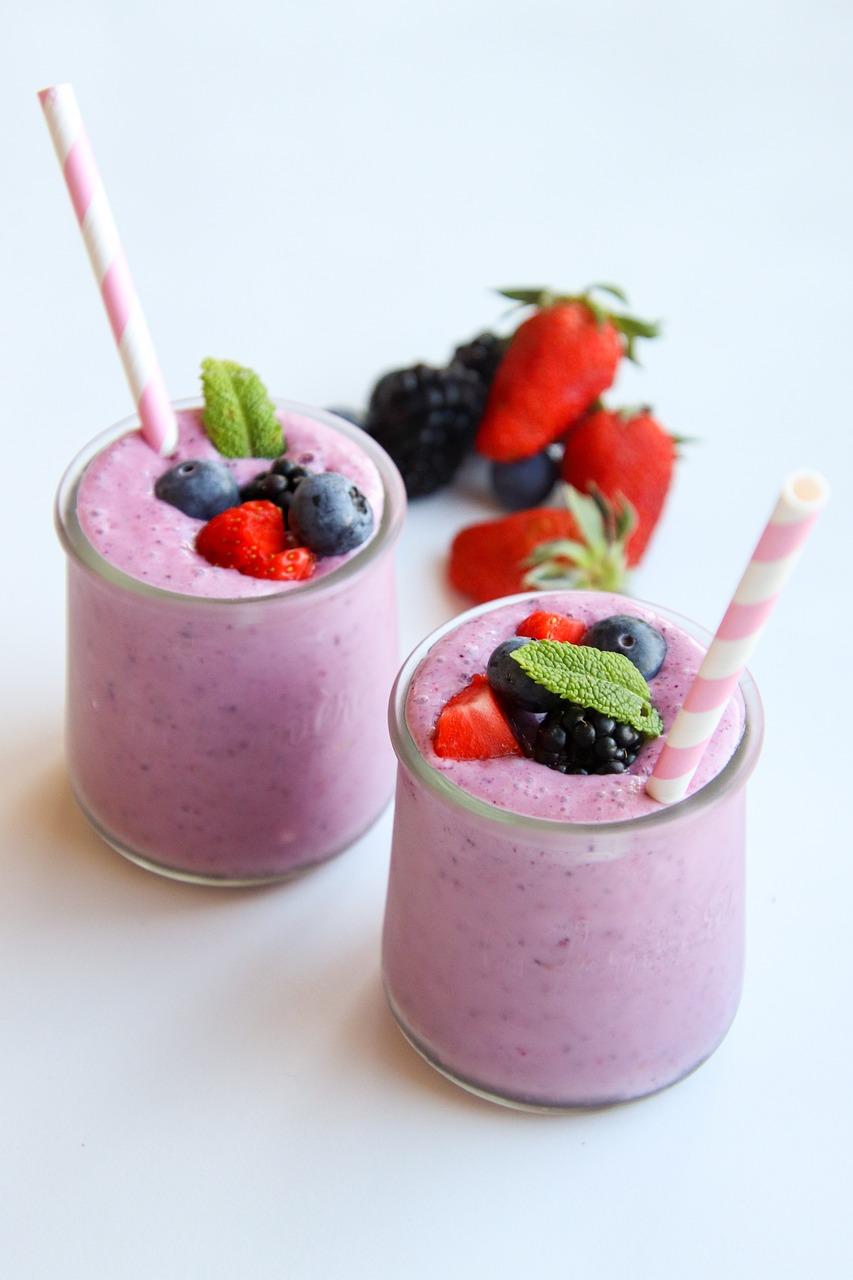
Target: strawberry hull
<point>558,941</point>
<point>236,736</point>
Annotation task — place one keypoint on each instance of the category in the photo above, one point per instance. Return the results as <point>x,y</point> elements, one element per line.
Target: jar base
<point>212,881</point>
<point>530,1105</point>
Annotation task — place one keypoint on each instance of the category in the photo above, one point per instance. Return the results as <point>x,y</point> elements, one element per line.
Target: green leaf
<point>608,682</point>
<point>531,296</point>
<point>588,516</point>
<point>239,416</point>
<point>612,289</point>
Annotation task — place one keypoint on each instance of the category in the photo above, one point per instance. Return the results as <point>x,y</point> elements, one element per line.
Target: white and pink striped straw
<point>803,494</point>
<point>109,264</point>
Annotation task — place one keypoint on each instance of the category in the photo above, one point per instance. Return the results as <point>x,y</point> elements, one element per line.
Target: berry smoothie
<point>226,727</point>
<point>557,939</point>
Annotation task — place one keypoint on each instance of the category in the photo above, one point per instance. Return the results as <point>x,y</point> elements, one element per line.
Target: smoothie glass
<point>231,741</point>
<point>550,965</point>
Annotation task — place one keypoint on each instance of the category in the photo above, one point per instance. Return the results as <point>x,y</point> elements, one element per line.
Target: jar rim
<point>734,773</point>
<point>80,549</point>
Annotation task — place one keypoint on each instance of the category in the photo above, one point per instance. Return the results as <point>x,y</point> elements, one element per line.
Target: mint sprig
<point>607,682</point>
<point>239,416</point>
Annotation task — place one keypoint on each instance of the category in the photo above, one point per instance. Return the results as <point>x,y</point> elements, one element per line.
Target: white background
<point>206,1084</point>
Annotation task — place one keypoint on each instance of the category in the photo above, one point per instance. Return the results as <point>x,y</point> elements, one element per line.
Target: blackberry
<point>277,485</point>
<point>482,355</point>
<point>426,419</point>
<point>575,739</point>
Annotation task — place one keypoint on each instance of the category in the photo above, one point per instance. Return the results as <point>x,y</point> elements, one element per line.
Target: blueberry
<point>633,638</point>
<point>525,483</point>
<point>199,489</point>
<point>510,680</point>
<point>329,514</point>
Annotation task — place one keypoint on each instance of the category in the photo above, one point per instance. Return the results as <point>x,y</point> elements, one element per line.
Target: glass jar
<point>231,741</point>
<point>551,965</point>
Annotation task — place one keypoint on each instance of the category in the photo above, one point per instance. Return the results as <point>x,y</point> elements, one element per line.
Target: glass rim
<point>735,772</point>
<point>81,550</point>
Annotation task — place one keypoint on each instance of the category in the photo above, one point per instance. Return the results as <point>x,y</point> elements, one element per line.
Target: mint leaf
<point>239,416</point>
<point>608,682</point>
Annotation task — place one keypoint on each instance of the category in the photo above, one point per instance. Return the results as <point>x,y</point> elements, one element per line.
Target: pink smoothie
<point>222,727</point>
<point>560,940</point>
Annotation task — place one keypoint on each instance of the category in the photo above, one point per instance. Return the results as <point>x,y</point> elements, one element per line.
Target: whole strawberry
<point>628,453</point>
<point>579,545</point>
<point>559,361</point>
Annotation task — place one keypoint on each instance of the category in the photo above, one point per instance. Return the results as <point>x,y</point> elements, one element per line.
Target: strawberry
<point>252,539</point>
<point>625,453</point>
<point>558,363</point>
<point>551,626</point>
<point>473,726</point>
<point>580,545</point>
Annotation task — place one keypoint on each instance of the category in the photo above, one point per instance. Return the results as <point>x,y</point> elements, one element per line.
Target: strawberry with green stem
<point>559,361</point>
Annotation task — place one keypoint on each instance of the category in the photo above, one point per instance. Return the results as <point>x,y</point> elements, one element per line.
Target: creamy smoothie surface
<point>521,785</point>
<point>153,541</point>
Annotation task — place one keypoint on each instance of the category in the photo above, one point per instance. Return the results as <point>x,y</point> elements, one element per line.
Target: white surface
<point>206,1084</point>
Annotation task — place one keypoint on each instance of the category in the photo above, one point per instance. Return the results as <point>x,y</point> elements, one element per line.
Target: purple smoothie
<point>221,727</point>
<point>559,940</point>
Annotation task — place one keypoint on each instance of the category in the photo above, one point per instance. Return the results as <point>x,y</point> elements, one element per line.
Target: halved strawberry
<point>291,566</point>
<point>551,626</point>
<point>252,539</point>
<point>473,726</point>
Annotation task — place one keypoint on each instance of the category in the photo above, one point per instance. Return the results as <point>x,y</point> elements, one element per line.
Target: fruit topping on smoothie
<point>200,489</point>
<point>552,626</point>
<point>330,514</point>
<point>640,642</point>
<point>474,726</point>
<point>253,540</point>
<point>277,485</point>
<point>569,705</point>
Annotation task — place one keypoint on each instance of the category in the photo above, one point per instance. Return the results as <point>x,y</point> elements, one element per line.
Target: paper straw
<point>803,494</point>
<point>109,264</point>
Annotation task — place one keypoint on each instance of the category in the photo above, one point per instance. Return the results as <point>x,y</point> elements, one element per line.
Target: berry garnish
<point>426,419</point>
<point>473,726</point>
<point>606,682</point>
<point>551,626</point>
<point>277,485</point>
<point>640,643</point>
<point>576,739</point>
<point>198,488</point>
<point>252,539</point>
<point>558,363</point>
<point>330,514</point>
<point>623,454</point>
<point>239,416</point>
<point>509,680</point>
<point>526,482</point>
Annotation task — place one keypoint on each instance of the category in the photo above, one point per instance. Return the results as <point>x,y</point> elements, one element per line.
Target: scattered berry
<point>575,739</point>
<point>557,364</point>
<point>277,485</point>
<point>473,726</point>
<point>482,355</point>
<point>252,539</point>
<point>330,514</point>
<point>509,680</point>
<point>426,420</point>
<point>527,482</point>
<point>627,454</point>
<point>635,639</point>
<point>199,489</point>
<point>488,559</point>
<point>551,626</point>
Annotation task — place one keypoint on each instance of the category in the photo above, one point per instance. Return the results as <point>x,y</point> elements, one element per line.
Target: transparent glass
<point>231,741</point>
<point>552,965</point>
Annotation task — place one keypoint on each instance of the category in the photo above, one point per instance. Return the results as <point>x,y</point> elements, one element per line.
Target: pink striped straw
<point>109,264</point>
<point>803,494</point>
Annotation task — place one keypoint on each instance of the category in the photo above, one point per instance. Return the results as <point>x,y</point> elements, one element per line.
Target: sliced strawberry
<point>552,626</point>
<point>473,726</point>
<point>292,565</point>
